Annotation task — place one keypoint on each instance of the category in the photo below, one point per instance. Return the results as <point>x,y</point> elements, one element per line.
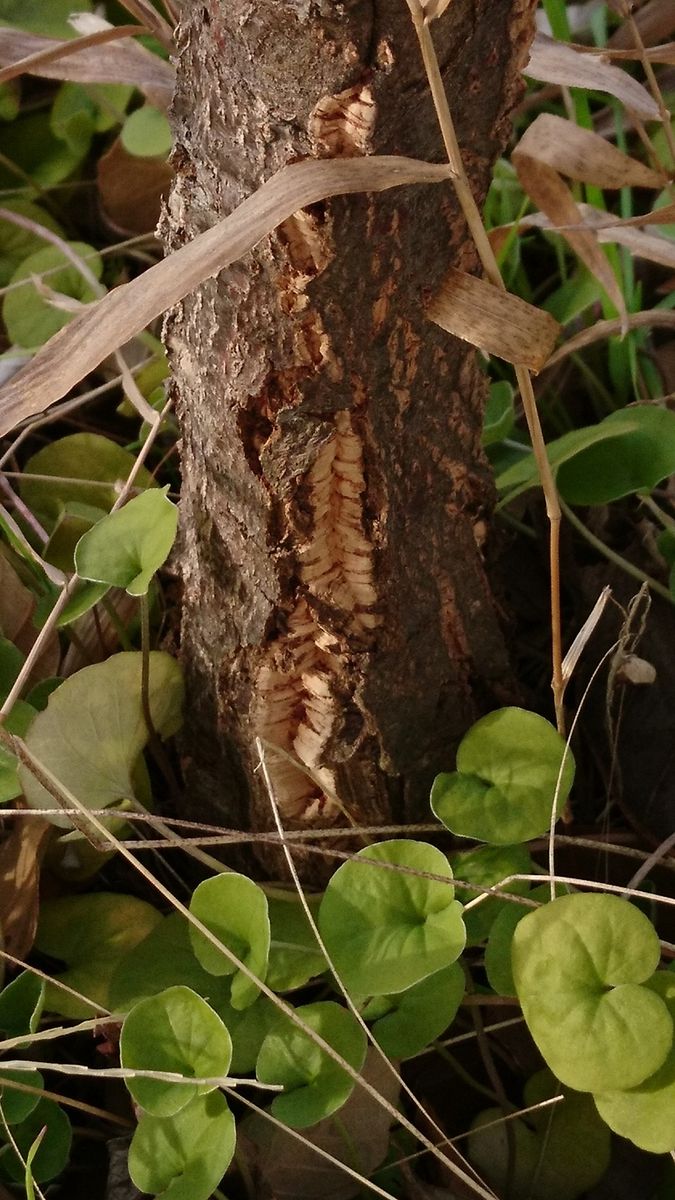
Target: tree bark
<point>335,495</point>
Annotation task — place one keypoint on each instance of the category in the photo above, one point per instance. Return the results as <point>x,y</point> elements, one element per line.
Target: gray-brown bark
<point>335,495</point>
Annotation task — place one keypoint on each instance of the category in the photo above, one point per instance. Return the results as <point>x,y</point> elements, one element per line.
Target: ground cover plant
<point>478,1004</point>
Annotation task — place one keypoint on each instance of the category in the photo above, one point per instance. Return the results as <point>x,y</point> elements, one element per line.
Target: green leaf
<point>19,722</point>
<point>421,1014</point>
<point>579,964</point>
<point>646,1114</point>
<point>73,117</point>
<point>85,457</point>
<point>21,1004</point>
<point>93,731</point>
<point>632,450</point>
<point>10,100</point>
<point>498,949</point>
<point>175,1031</point>
<point>295,957</point>
<point>488,866</point>
<point>507,772</point>
<point>16,244</point>
<point>30,318</point>
<point>49,20</point>
<point>18,1105</point>
<point>499,413</point>
<point>90,934</point>
<point>234,909</point>
<point>30,144</point>
<point>54,1150</point>
<point>126,548</point>
<point>147,133</point>
<point>184,1157</point>
<point>314,1084</point>
<point>73,522</point>
<point>162,960</point>
<point>11,662</point>
<point>562,1151</point>
<point>385,930</point>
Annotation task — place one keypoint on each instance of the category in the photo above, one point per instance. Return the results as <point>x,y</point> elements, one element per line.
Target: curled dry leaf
<point>20,856</point>
<point>117,62</point>
<point>642,243</point>
<point>493,320</point>
<point>130,189</point>
<point>558,62</point>
<point>109,323</point>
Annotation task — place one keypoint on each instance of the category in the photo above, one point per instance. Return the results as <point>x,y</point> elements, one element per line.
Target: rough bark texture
<point>335,494</point>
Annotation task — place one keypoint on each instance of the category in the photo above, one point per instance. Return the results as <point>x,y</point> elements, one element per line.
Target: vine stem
<point>489,263</point>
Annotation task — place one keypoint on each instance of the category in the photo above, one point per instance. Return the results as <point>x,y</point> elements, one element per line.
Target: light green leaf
<point>16,244</point>
<point>90,934</point>
<point>74,521</point>
<point>646,1114</point>
<point>162,960</point>
<point>49,20</point>
<point>562,1151</point>
<point>127,547</point>
<point>384,929</point>
<point>184,1157</point>
<point>30,318</point>
<point>54,1150</point>
<point>421,1014</point>
<point>507,772</point>
<point>147,133</point>
<point>314,1084</point>
<point>93,729</point>
<point>488,866</point>
<point>579,964</point>
<point>73,117</point>
<point>175,1031</point>
<point>498,949</point>
<point>81,464</point>
<point>234,909</point>
<point>295,957</point>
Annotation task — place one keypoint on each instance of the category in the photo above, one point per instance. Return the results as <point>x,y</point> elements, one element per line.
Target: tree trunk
<point>335,495</point>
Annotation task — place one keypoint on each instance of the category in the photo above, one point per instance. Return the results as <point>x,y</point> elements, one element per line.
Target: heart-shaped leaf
<point>81,465</point>
<point>498,949</point>
<point>54,1149</point>
<point>421,1014</point>
<point>146,133</point>
<point>233,908</point>
<point>175,1031</point>
<point>93,730</point>
<point>387,929</point>
<point>32,318</point>
<point>579,964</point>
<point>508,769</point>
<point>125,548</point>
<point>314,1084</point>
<point>184,1157</point>
<point>646,1114</point>
<point>90,934</point>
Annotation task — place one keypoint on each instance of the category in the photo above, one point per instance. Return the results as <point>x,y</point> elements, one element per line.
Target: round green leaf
<point>295,957</point>
<point>21,1004</point>
<point>184,1157</point>
<point>93,731</point>
<point>386,930</point>
<point>646,1114</point>
<point>234,909</point>
<point>487,866</point>
<point>54,1149</point>
<point>421,1014</point>
<point>88,457</point>
<point>507,773</point>
<point>179,1032</point>
<point>498,949</point>
<point>126,548</point>
<point>16,244</point>
<point>314,1084</point>
<point>578,965</point>
<point>31,318</point>
<point>147,133</point>
<point>561,1151</point>
<point>18,1105</point>
<point>90,934</point>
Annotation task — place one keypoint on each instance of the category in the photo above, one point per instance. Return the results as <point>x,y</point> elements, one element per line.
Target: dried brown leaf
<point>130,189</point>
<point>109,323</point>
<point>655,21</point>
<point>117,62</point>
<point>558,62</point>
<point>641,242</point>
<point>582,155</point>
<point>17,606</point>
<point>20,856</point>
<point>493,320</point>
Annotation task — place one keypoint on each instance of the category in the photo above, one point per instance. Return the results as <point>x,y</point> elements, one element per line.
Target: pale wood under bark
<point>335,494</point>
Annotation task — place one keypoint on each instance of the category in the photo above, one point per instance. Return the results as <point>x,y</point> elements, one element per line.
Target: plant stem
<point>617,559</point>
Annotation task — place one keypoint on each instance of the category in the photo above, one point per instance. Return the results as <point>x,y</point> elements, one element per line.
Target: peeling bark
<point>335,495</point>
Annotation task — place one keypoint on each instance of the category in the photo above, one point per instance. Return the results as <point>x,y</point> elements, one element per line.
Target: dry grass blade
<point>655,21</point>
<point>583,155</point>
<point>94,58</point>
<point>656,54</point>
<point>659,318</point>
<point>558,62</point>
<point>20,857</point>
<point>642,243</point>
<point>147,14</point>
<point>494,320</point>
<point>109,323</point>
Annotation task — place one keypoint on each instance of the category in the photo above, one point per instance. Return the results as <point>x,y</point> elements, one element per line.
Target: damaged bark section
<point>335,495</point>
